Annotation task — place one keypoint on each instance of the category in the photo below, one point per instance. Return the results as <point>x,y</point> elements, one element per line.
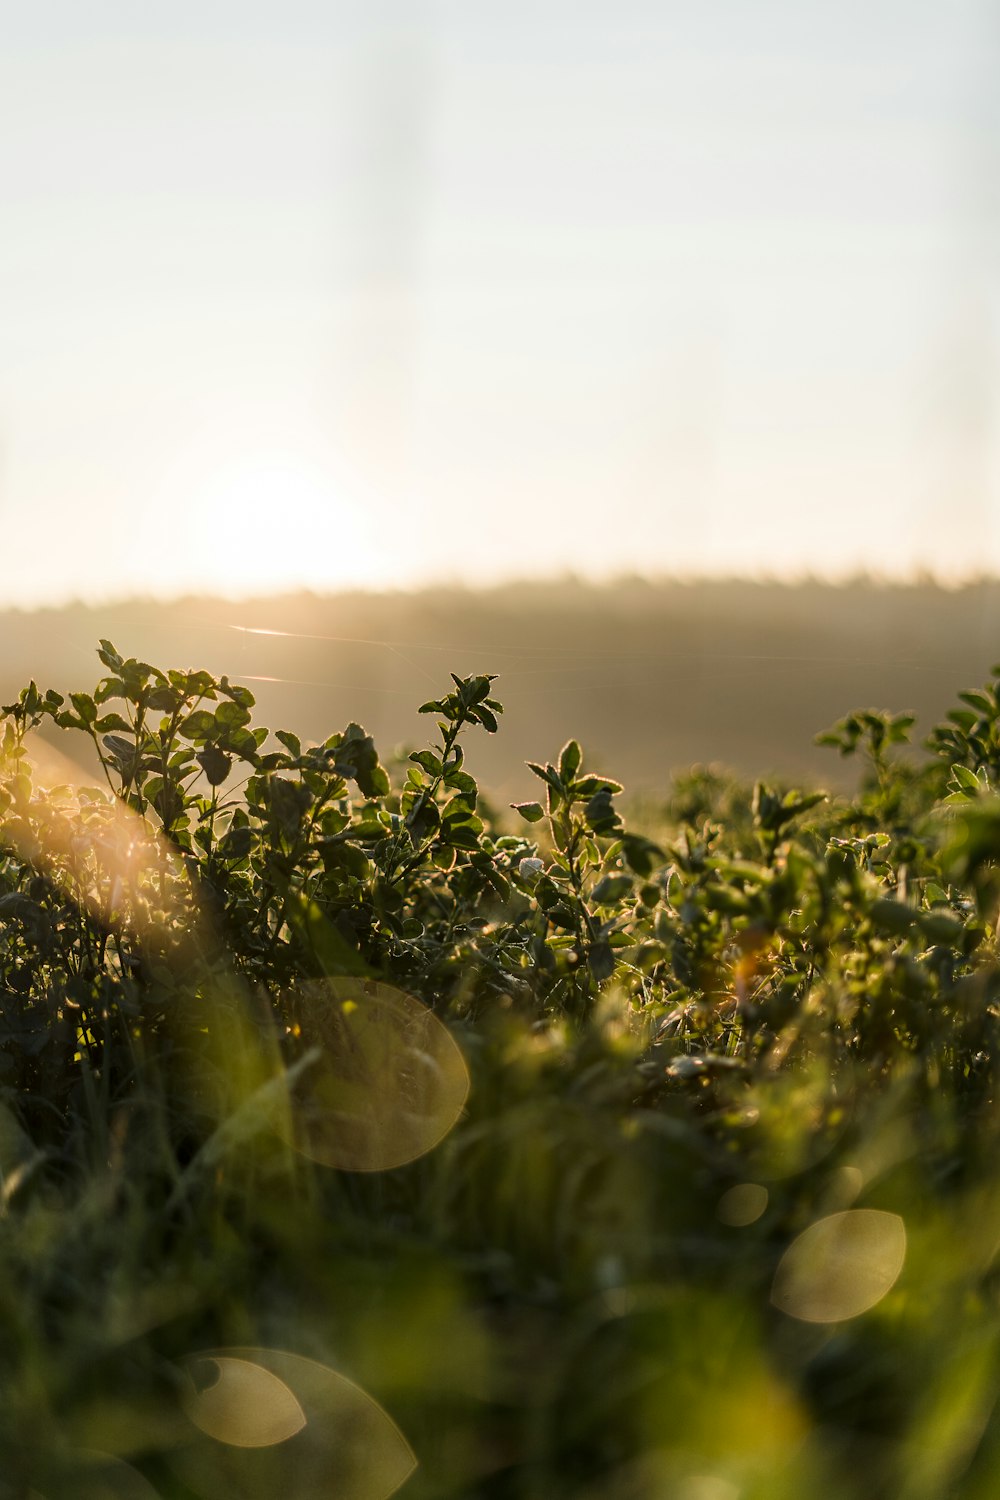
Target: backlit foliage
<point>718,1215</point>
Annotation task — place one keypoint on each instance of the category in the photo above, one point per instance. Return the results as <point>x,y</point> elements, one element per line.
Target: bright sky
<point>394,291</point>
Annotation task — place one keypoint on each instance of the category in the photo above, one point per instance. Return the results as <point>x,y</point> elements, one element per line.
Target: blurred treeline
<point>650,676</point>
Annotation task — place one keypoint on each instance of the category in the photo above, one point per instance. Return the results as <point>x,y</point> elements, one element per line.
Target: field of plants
<point>359,1136</point>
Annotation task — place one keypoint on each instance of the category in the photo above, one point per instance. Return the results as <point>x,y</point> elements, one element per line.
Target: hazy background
<point>650,677</point>
<point>402,291</point>
<point>481,323</point>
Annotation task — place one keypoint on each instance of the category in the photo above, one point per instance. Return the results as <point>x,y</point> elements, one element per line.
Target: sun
<point>277,523</point>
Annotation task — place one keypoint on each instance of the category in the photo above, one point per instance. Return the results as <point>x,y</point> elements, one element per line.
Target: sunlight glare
<point>278,523</point>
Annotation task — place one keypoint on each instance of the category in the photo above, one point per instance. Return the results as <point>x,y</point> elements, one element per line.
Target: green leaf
<point>612,889</point>
<point>570,760</point>
<point>198,726</point>
<point>356,759</point>
<point>462,838</point>
<point>979,701</point>
<point>237,692</point>
<point>966,778</point>
<point>900,726</point>
<point>641,854</point>
<point>165,699</point>
<point>486,717</point>
<point>726,898</point>
<point>458,814</point>
<point>499,882</point>
<point>794,803</point>
<point>549,775</point>
<point>941,928</point>
<point>215,764</point>
<point>430,762</point>
<point>341,855</point>
<point>601,960</point>
<point>231,715</point>
<point>243,742</point>
<point>123,752</point>
<point>891,917</point>
<point>423,817</point>
<point>463,835</point>
<point>532,812</point>
<point>236,844</point>
<point>289,802</point>
<point>588,785</point>
<point>108,687</point>
<point>461,781</point>
<point>740,869</point>
<point>194,684</point>
<point>600,814</point>
<point>109,656</point>
<point>85,707</point>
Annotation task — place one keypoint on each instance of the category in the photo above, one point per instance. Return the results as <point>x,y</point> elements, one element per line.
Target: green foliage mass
<point>686,1046</point>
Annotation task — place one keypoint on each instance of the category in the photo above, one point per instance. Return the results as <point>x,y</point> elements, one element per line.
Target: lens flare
<point>742,1204</point>
<point>99,851</point>
<point>240,1403</point>
<point>389,1083</point>
<point>267,1423</point>
<point>841,1266</point>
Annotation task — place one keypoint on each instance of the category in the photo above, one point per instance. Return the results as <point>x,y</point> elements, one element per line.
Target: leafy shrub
<point>686,1047</point>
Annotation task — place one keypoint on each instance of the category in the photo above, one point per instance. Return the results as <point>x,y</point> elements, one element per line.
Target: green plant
<point>691,1051</point>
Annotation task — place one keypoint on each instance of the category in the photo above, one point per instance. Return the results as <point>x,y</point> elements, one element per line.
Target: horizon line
<point>921,578</point>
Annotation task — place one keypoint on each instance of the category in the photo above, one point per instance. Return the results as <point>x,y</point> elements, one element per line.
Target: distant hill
<point>649,676</point>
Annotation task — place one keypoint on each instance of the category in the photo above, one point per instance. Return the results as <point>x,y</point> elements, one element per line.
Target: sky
<point>393,292</point>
